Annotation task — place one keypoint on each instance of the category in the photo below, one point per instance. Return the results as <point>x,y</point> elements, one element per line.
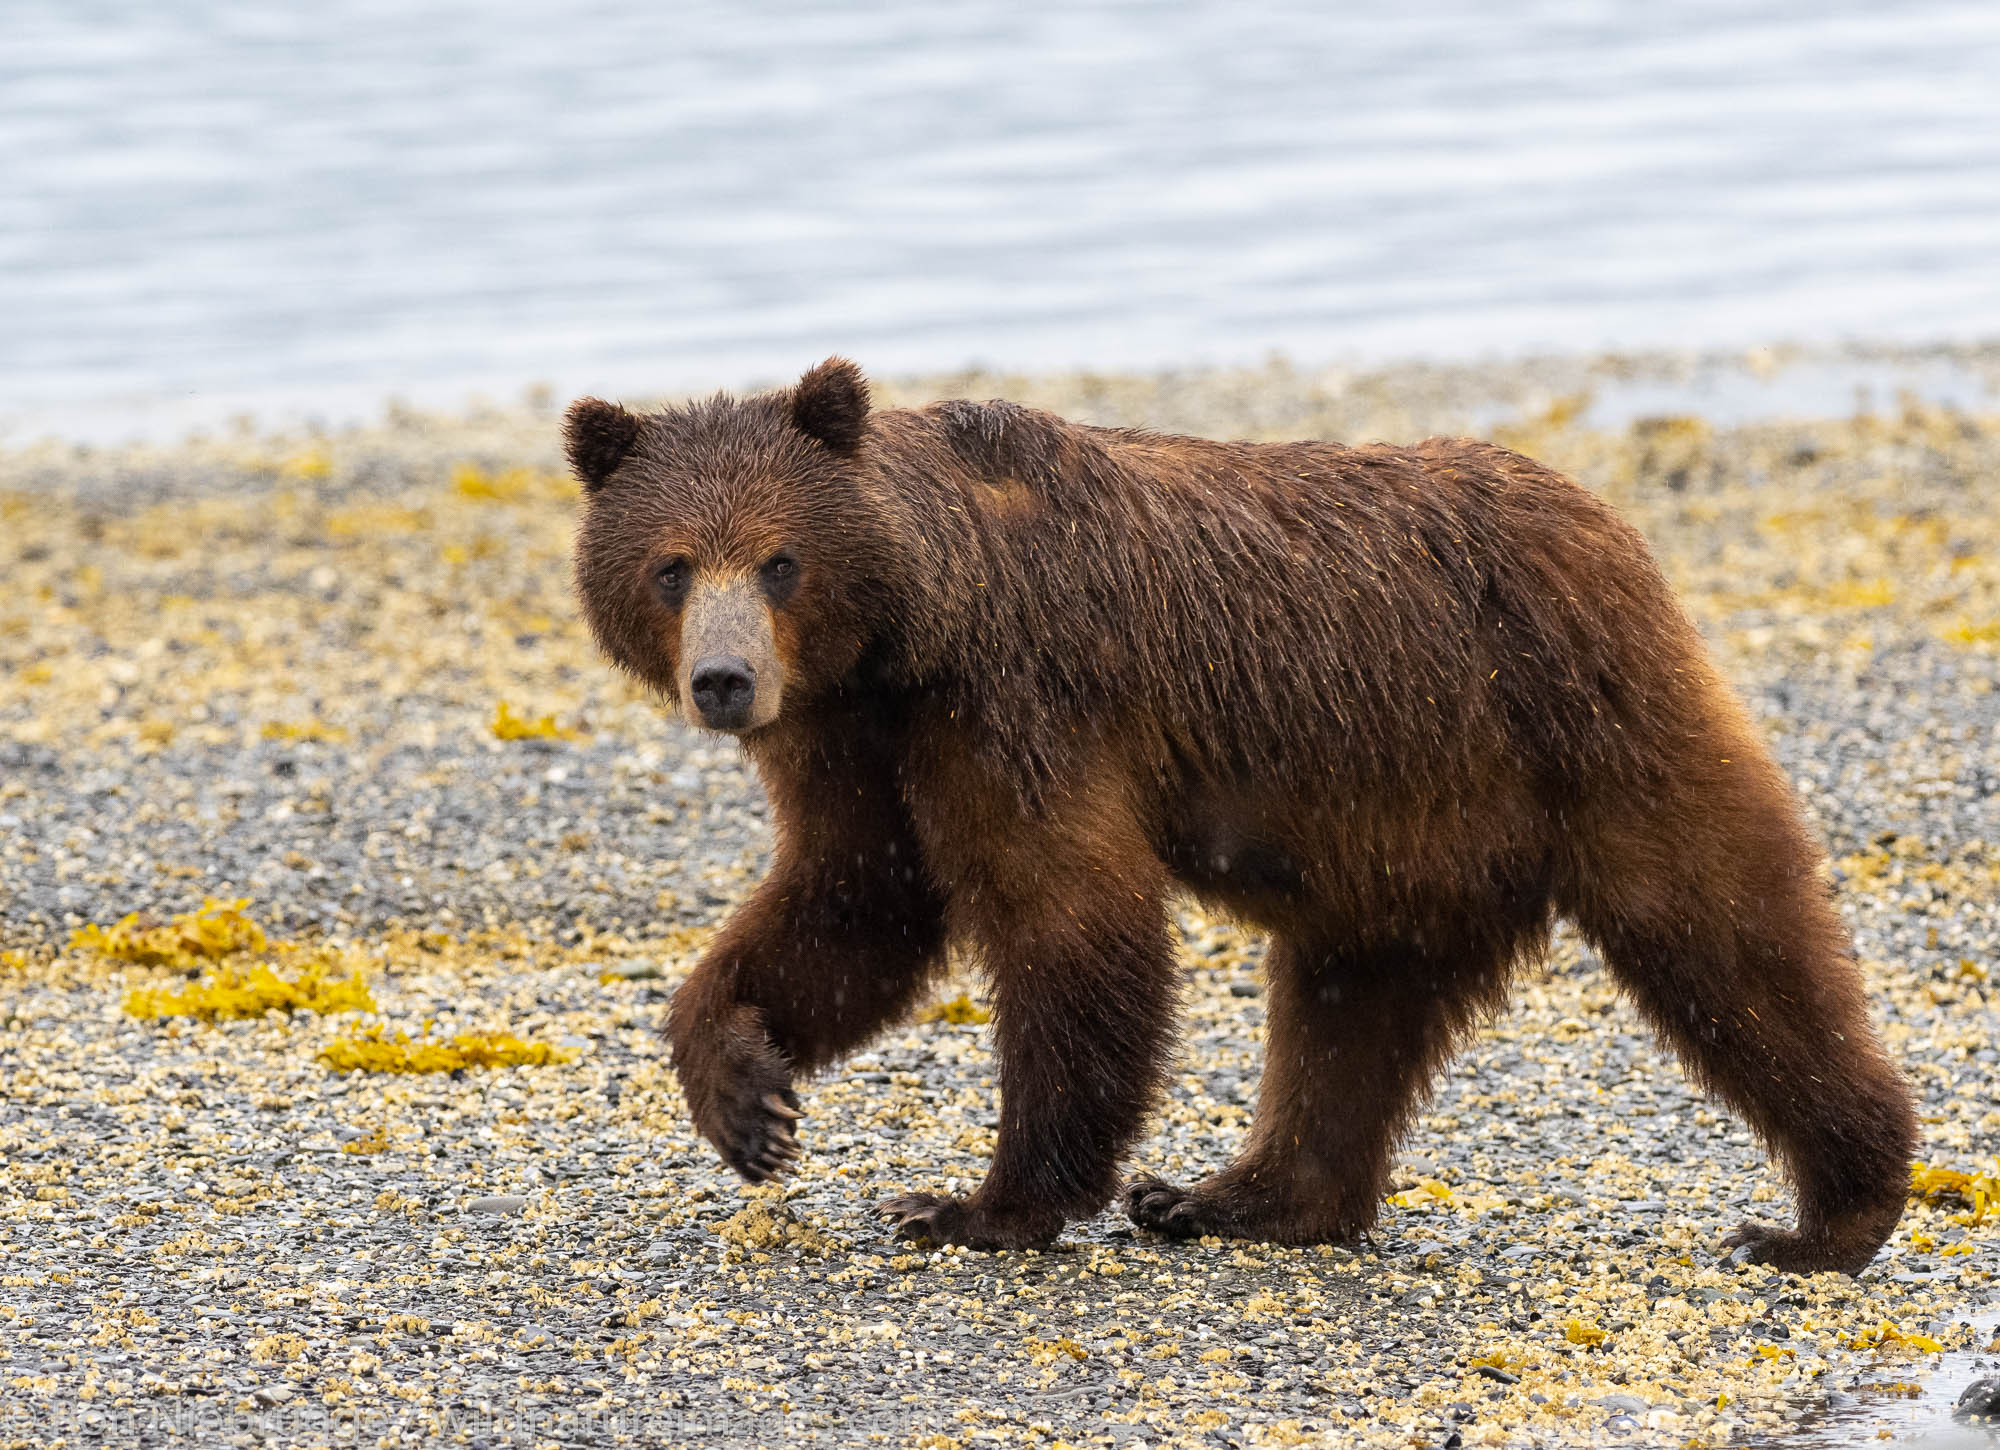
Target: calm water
<point>205,206</point>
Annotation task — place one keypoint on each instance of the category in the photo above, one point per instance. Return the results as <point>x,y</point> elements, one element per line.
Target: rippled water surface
<point>206,206</point>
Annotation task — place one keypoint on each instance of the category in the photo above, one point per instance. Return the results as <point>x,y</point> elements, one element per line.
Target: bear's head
<point>733,552</point>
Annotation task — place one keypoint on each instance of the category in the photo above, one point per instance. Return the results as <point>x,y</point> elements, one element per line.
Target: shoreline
<point>1759,383</point>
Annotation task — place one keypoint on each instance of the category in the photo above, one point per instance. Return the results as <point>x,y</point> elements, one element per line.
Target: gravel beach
<point>339,679</point>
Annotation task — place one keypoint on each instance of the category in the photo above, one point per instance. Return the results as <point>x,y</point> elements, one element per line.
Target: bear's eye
<point>781,577</point>
<point>672,579</point>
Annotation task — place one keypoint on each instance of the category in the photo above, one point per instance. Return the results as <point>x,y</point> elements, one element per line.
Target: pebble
<point>498,1203</point>
<point>637,970</point>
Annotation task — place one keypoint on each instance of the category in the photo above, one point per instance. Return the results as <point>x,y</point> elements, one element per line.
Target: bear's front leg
<point>1084,987</point>
<point>818,960</point>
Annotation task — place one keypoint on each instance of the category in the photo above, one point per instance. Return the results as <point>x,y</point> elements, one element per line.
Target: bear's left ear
<point>597,435</point>
<point>831,404</point>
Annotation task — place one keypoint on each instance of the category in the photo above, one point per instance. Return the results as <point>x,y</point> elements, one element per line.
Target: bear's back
<point>1306,606</point>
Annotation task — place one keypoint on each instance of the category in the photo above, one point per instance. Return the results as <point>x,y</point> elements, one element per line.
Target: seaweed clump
<point>207,945</point>
<point>373,1050</point>
<point>508,724</point>
<point>187,941</point>
<point>234,992</point>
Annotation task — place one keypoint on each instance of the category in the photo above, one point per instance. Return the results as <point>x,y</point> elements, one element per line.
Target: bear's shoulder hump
<point>1001,439</point>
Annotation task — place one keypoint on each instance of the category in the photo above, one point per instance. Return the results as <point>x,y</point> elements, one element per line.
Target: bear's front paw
<point>1778,1248</point>
<point>1179,1213</point>
<point>762,1136</point>
<point>752,1119</point>
<point>739,1091</point>
<point>935,1219</point>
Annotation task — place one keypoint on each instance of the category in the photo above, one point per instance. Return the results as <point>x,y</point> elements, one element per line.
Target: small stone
<point>636,970</point>
<point>1244,989</point>
<point>271,1395</point>
<point>1494,1372</point>
<point>501,1203</point>
<point>1623,1404</point>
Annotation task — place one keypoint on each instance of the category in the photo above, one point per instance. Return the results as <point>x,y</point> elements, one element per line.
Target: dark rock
<point>1980,1400</point>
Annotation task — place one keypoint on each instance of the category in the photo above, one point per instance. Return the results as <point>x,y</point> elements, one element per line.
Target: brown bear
<point>1010,682</point>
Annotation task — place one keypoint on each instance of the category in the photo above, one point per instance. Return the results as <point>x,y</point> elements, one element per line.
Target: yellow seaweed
<point>371,1050</point>
<point>507,725</point>
<point>371,1142</point>
<point>235,993</point>
<point>1048,1351</point>
<point>1577,1332</point>
<point>1426,1193</point>
<point>959,1011</point>
<point>219,929</point>
<point>1979,1192</point>
<point>1965,631</point>
<point>304,730</point>
<point>1887,1333</point>
<point>314,462</point>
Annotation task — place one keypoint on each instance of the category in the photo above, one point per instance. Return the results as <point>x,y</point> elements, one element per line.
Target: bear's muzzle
<point>730,676</point>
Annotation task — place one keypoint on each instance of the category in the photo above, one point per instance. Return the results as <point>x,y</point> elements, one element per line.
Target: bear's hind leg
<point>1353,1041</point>
<point>1710,913</point>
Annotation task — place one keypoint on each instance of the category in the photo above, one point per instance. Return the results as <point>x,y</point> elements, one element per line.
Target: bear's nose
<point>723,687</point>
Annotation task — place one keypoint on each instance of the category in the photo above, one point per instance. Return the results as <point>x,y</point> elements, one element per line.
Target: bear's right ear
<point>597,435</point>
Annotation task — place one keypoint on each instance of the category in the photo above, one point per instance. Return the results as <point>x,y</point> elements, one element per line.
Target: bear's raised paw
<point>756,1128</point>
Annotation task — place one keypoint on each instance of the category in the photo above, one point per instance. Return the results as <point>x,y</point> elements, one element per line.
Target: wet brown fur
<point>1401,708</point>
